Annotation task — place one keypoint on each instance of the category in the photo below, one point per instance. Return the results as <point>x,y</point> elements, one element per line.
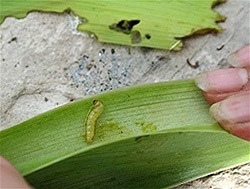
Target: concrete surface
<point>46,63</point>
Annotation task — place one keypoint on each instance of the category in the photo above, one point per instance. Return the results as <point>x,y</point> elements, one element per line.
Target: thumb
<point>10,177</point>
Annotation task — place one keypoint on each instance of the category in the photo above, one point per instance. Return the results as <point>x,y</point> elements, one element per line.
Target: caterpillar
<point>94,112</point>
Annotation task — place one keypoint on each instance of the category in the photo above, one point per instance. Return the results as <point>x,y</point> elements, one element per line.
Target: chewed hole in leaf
<point>148,36</point>
<point>135,37</point>
<point>124,26</point>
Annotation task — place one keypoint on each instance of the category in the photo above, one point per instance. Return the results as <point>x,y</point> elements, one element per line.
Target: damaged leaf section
<point>135,37</point>
<point>124,26</point>
<point>153,24</point>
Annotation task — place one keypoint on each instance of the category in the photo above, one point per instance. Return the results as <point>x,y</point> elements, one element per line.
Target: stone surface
<point>46,63</point>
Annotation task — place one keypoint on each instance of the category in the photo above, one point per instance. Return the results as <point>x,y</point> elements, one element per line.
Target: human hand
<point>10,177</point>
<point>229,92</point>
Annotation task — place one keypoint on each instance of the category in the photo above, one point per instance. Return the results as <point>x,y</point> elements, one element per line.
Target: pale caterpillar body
<point>90,122</point>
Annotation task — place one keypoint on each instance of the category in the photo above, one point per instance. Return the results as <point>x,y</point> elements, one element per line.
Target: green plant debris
<point>151,136</point>
<point>158,24</point>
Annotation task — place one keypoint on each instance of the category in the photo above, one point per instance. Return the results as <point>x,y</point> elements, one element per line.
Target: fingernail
<point>232,110</point>
<point>240,58</point>
<point>233,60</point>
<point>215,110</point>
<point>222,80</point>
<point>202,82</point>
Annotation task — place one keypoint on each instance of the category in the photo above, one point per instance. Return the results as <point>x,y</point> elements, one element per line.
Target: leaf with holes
<point>146,23</point>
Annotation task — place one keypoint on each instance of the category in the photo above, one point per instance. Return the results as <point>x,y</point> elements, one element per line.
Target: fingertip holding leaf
<point>222,80</point>
<point>10,177</point>
<point>233,114</point>
<point>242,131</point>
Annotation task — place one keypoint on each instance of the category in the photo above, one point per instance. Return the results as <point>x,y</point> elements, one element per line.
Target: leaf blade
<point>166,22</point>
<point>43,144</point>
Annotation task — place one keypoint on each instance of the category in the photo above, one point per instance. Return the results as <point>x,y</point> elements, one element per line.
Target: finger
<point>241,130</point>
<point>10,177</point>
<point>216,97</point>
<point>222,80</point>
<point>233,114</point>
<point>240,58</point>
<point>235,109</point>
